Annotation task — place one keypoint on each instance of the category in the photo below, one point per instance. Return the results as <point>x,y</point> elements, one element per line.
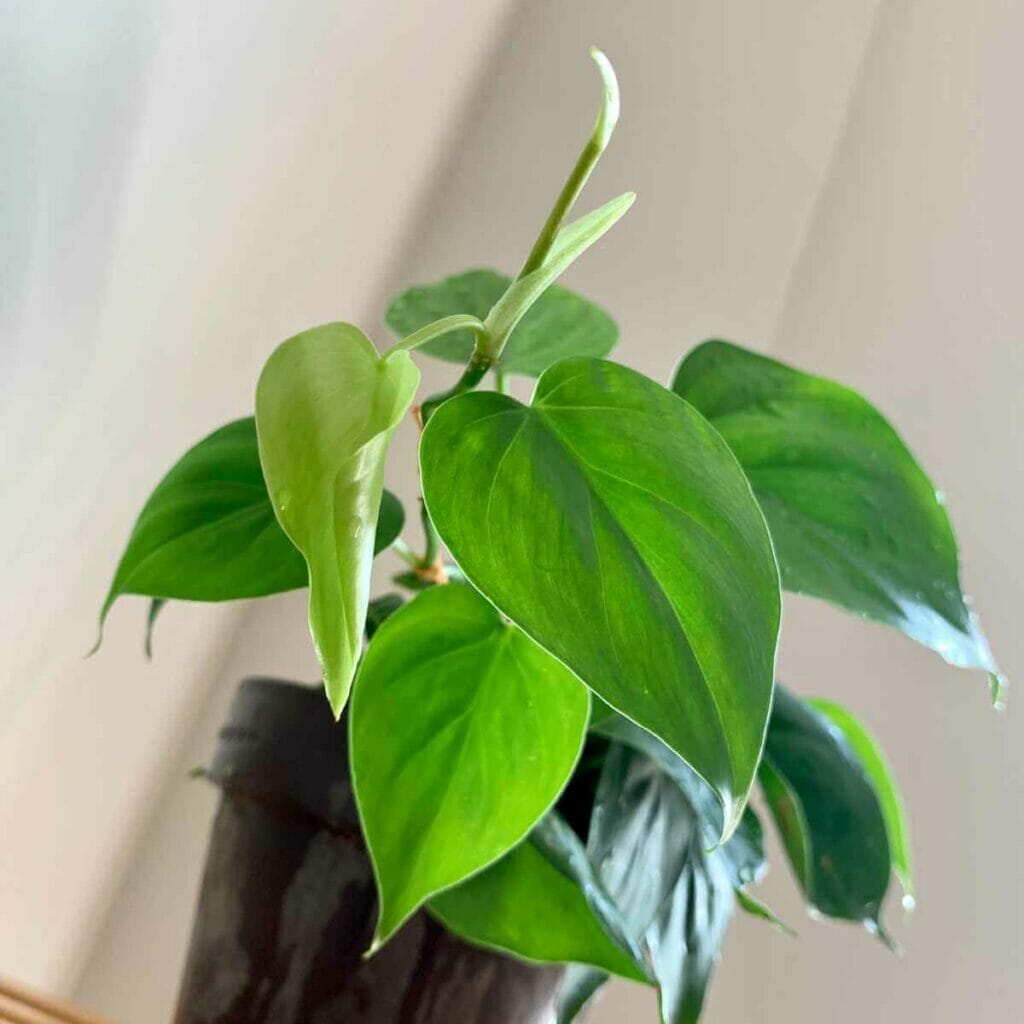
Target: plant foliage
<point>618,550</point>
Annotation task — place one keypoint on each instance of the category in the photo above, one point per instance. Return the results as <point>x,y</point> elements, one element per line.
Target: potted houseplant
<point>545,752</point>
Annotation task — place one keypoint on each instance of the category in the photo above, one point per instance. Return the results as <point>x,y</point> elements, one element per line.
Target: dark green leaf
<point>326,407</point>
<point>464,732</point>
<point>675,895</point>
<point>579,986</point>
<point>874,763</point>
<point>828,813</point>
<point>559,324</point>
<point>379,610</point>
<point>559,843</point>
<point>390,521</point>
<point>207,532</point>
<point>526,906</point>
<point>156,605</point>
<point>612,524</point>
<point>744,852</point>
<point>853,517</point>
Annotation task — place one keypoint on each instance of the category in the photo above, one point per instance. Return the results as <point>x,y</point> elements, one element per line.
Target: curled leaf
<point>326,407</point>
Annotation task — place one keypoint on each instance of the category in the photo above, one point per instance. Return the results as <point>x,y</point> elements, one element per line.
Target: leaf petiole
<point>459,322</point>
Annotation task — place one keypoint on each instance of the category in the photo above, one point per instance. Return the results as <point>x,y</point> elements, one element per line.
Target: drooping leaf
<point>463,734</point>
<point>526,906</point>
<point>326,407</point>
<point>208,532</point>
<point>611,523</point>
<point>675,894</point>
<point>854,518</point>
<point>558,325</point>
<point>828,813</point>
<point>874,763</point>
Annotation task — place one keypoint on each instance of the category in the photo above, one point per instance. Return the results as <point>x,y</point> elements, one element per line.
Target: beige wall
<point>836,182</point>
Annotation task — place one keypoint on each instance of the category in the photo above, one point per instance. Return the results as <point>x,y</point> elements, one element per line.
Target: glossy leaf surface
<point>854,518</point>
<point>874,763</point>
<point>651,847</point>
<point>613,525</point>
<point>326,406</point>
<point>558,325</point>
<point>827,811</point>
<point>208,532</point>
<point>464,732</point>
<point>526,906</point>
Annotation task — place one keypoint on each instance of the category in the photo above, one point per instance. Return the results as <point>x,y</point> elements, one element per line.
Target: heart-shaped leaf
<point>854,518</point>
<point>827,812</point>
<point>611,523</point>
<point>463,734</point>
<point>326,407</point>
<point>526,906</point>
<point>874,763</point>
<point>208,532</point>
<point>558,325</point>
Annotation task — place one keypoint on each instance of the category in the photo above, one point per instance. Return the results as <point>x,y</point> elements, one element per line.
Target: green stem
<point>607,116</point>
<point>475,371</point>
<point>461,321</point>
<point>404,552</point>
<point>487,350</point>
<point>433,546</point>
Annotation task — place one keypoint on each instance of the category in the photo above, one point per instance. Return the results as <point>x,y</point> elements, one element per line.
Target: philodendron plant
<point>554,740</point>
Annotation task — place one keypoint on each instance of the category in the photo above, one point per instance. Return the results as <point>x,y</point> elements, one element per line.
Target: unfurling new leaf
<point>558,325</point>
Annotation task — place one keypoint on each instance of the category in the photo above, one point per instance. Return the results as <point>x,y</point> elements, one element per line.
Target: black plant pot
<point>287,904</point>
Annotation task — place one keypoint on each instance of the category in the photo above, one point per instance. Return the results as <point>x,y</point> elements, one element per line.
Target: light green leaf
<point>569,244</point>
<point>463,734</point>
<point>558,325</point>
<point>828,813</point>
<point>524,905</point>
<point>875,764</point>
<point>326,407</point>
<point>751,905</point>
<point>612,524</point>
<point>853,517</point>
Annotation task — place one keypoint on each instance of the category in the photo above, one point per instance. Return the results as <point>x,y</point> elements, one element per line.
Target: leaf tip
<point>998,684</point>
<point>608,116</point>
<point>875,927</point>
